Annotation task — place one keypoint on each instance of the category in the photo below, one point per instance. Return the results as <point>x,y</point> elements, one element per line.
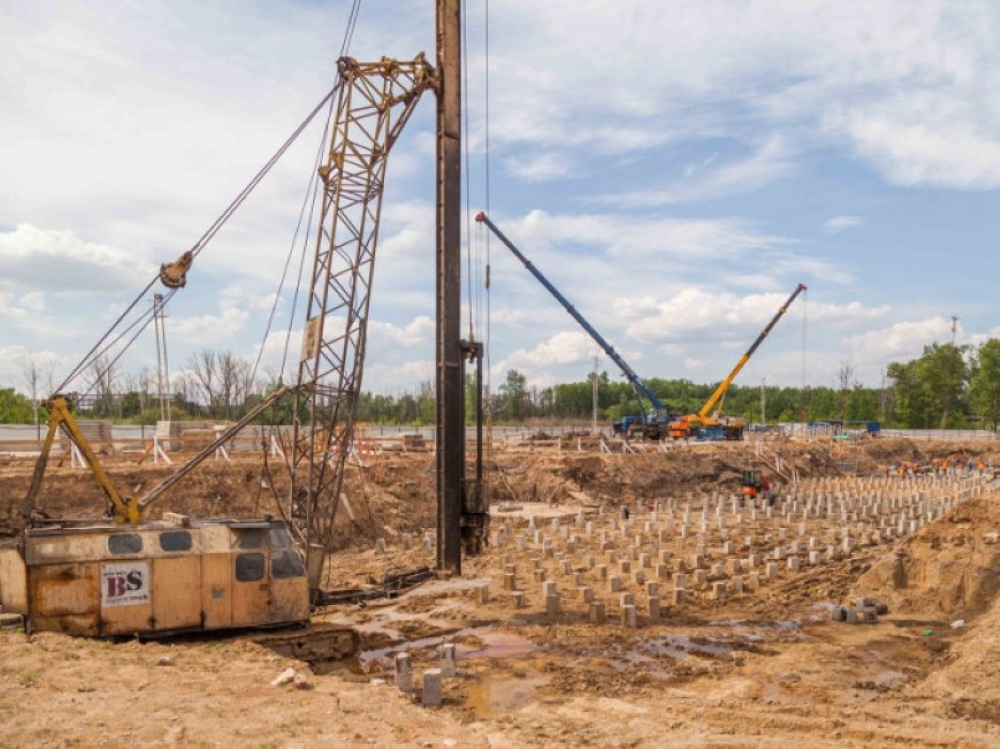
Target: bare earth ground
<point>768,669</point>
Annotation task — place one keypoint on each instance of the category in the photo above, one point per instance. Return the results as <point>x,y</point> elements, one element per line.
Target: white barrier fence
<point>26,438</point>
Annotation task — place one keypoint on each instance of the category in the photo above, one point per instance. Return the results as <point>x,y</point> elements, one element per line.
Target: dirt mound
<point>948,570</point>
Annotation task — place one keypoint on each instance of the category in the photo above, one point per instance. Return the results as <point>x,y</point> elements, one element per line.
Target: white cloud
<point>929,146</point>
<point>58,260</point>
<point>712,69</point>
<point>135,126</point>
<point>755,281</point>
<point>570,347</point>
<point>698,315</point>
<point>852,313</point>
<point>203,330</point>
<point>539,167</point>
<point>418,332</point>
<point>770,162</point>
<point>13,360</point>
<point>801,267</point>
<point>408,231</point>
<point>633,236</point>
<point>403,376</point>
<point>902,339</point>
<point>838,224</point>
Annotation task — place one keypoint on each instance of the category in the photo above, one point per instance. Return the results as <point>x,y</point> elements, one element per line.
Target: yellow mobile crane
<point>705,424</point>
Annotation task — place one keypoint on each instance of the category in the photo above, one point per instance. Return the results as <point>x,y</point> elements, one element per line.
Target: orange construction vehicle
<point>705,425</point>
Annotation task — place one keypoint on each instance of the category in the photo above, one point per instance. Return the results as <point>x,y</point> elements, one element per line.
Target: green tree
<point>15,408</point>
<point>944,373</point>
<point>427,403</point>
<point>862,404</point>
<point>984,389</point>
<point>512,395</point>
<point>911,403</point>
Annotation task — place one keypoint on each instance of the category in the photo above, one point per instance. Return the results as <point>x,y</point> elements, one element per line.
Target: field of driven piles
<point>697,619</point>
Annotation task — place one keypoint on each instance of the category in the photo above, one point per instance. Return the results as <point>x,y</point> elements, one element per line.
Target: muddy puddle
<point>486,642</point>
<point>719,640</point>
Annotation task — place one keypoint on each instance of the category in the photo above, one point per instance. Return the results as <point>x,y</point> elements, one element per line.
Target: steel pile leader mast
<point>463,516</point>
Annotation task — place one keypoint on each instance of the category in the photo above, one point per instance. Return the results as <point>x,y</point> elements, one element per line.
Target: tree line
<point>948,386</point>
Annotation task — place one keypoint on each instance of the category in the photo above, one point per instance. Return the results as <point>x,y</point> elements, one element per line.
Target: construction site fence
<point>26,438</point>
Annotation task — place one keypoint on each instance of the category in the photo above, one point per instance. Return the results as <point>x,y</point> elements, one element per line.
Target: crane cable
<point>312,188</point>
<point>312,191</point>
<point>805,324</point>
<point>468,177</point>
<point>487,488</point>
<point>103,346</point>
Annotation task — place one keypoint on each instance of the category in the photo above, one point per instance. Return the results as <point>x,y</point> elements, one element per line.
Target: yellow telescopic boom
<point>724,386</point>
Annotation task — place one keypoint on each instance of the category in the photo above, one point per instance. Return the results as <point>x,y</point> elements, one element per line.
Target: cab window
<point>286,564</point>
<point>249,567</point>
<point>125,543</point>
<point>251,538</point>
<point>279,538</point>
<point>175,541</point>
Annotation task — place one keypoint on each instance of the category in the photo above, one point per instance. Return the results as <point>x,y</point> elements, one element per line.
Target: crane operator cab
<point>99,578</point>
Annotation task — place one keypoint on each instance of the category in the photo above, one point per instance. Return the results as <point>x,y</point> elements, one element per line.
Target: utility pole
<point>763,401</point>
<point>881,400</point>
<point>954,328</point>
<point>596,360</point>
<point>450,431</point>
<point>162,370</point>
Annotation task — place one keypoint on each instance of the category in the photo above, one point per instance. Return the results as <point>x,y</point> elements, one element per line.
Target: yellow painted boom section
<point>723,387</point>
<point>124,510</point>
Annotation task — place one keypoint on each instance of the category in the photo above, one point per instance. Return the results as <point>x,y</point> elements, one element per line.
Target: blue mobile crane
<point>652,424</point>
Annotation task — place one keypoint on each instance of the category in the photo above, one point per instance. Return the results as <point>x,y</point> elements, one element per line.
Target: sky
<point>674,168</point>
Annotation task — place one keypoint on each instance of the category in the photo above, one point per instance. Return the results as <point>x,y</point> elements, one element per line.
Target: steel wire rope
<point>310,191</point>
<point>314,188</point>
<point>83,363</point>
<point>203,241</point>
<point>352,22</point>
<point>805,322</point>
<point>486,283</point>
<point>257,178</point>
<point>198,246</point>
<point>468,173</point>
<point>345,45</point>
<point>145,318</point>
